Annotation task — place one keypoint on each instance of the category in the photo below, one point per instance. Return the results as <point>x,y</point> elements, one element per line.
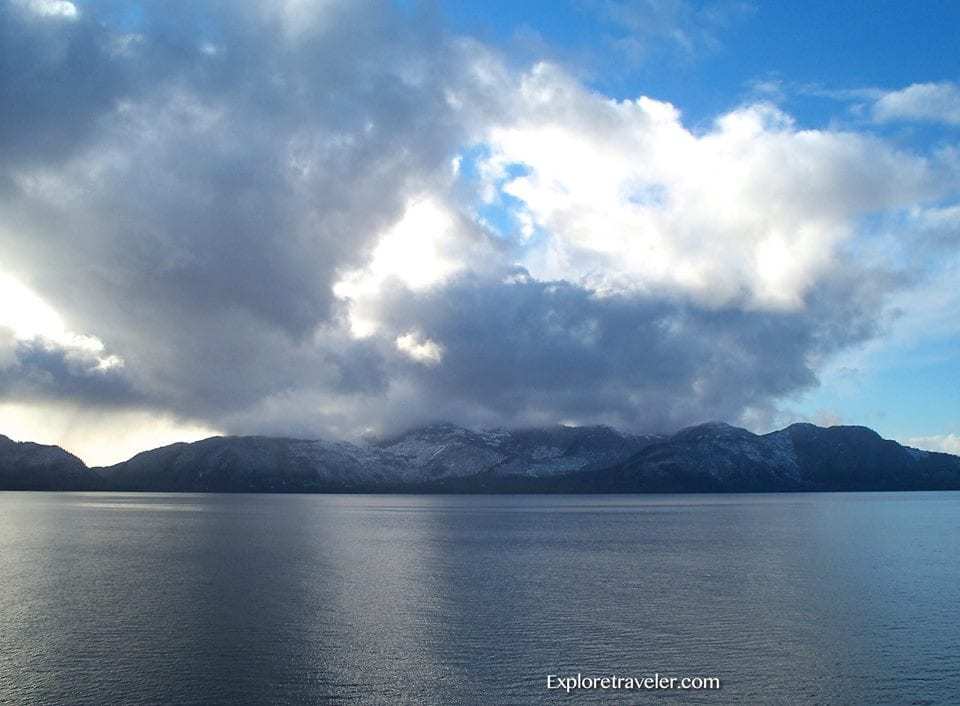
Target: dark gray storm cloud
<point>523,351</point>
<point>41,370</point>
<point>56,79</point>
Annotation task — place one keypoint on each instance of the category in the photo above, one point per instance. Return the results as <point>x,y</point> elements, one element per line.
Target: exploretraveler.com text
<point>634,683</point>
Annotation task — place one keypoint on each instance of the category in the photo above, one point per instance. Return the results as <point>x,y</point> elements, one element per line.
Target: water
<point>154,598</point>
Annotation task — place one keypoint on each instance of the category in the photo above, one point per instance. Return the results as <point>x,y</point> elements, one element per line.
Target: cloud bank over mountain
<point>335,218</point>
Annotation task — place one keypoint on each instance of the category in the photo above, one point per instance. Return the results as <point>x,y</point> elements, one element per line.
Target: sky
<point>337,219</point>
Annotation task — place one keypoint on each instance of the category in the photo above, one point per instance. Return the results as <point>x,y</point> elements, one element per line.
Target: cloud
<point>425,351</point>
<point>254,209</point>
<point>750,212</point>
<point>208,207</point>
<point>923,102</point>
<point>40,358</point>
<point>522,351</point>
<point>945,443</point>
<point>640,27</point>
<point>827,418</point>
<point>939,225</point>
<point>26,317</point>
<point>43,369</point>
<point>423,248</point>
<point>58,77</point>
<point>52,8</point>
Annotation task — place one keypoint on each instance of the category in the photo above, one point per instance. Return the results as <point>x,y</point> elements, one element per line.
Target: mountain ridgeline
<point>709,458</point>
<point>28,466</point>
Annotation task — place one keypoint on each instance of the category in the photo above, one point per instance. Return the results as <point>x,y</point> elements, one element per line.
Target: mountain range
<point>711,457</point>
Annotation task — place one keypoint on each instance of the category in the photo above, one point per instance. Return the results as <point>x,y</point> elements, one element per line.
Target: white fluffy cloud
<point>417,251</point>
<point>928,102</point>
<point>423,350</point>
<point>51,8</point>
<point>627,198</point>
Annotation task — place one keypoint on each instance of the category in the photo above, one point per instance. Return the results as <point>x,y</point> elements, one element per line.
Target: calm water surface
<point>154,598</point>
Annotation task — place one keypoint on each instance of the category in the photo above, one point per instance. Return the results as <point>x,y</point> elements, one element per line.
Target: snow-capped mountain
<point>802,457</point>
<point>445,450</point>
<point>420,456</point>
<point>446,458</point>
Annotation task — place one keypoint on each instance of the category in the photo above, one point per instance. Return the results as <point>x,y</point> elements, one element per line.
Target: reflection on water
<point>833,598</point>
